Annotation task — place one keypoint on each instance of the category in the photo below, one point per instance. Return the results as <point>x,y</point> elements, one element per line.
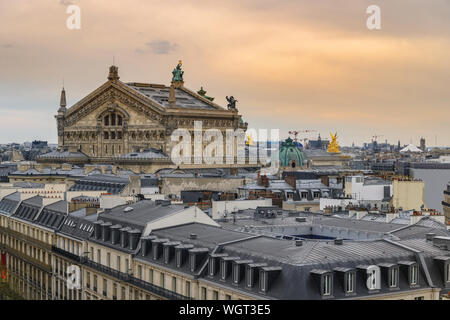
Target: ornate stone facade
<point>121,118</point>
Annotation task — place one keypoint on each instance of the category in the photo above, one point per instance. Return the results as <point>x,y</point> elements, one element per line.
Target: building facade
<point>131,123</point>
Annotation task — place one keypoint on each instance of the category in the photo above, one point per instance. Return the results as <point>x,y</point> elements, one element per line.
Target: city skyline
<point>314,66</point>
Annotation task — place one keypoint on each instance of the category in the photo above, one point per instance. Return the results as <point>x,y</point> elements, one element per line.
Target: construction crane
<point>374,138</point>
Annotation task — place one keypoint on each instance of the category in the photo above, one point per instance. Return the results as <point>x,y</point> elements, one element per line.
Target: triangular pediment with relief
<point>114,92</point>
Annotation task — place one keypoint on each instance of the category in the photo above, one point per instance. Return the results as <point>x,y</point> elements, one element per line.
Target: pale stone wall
<point>219,207</point>
<point>176,185</point>
<point>408,195</point>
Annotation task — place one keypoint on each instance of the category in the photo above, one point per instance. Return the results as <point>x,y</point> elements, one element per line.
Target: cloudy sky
<point>291,64</point>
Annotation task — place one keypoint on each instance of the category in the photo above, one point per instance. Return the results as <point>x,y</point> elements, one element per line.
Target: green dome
<point>289,153</point>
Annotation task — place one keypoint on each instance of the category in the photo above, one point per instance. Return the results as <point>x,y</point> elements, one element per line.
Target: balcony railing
<point>157,290</point>
<point>107,270</point>
<point>66,254</point>
<point>122,276</point>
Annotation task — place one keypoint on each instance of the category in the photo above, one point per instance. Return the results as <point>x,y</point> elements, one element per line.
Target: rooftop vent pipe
<point>430,236</point>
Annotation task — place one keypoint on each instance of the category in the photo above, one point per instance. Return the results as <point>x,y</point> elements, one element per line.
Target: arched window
<point>113,119</point>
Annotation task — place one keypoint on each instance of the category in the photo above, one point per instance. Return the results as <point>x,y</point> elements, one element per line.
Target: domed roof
<point>290,152</point>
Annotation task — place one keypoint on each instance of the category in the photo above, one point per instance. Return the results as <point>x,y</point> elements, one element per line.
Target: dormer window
<point>263,281</point>
<point>414,275</point>
<point>327,284</point>
<point>192,262</point>
<point>324,279</point>
<point>236,274</point>
<point>223,269</point>
<point>447,272</point>
<point>443,263</point>
<point>393,277</point>
<point>249,276</point>
<point>350,282</point>
<point>178,258</point>
<point>211,266</point>
<point>155,251</point>
<point>412,269</point>
<point>166,254</point>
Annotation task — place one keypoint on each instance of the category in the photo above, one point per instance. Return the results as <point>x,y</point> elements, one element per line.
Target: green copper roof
<point>290,152</point>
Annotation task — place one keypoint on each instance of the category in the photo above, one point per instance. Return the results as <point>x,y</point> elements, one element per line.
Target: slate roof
<point>77,227</point>
<point>63,155</point>
<point>9,203</point>
<point>143,212</point>
<point>53,215</point>
<point>184,98</point>
<point>144,155</point>
<point>294,268</point>
<point>110,184</point>
<point>29,209</point>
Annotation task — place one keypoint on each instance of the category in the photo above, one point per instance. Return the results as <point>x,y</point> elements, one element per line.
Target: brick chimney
<point>291,180</point>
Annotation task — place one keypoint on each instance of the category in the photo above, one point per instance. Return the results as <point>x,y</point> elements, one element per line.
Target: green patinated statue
<point>202,93</point>
<point>177,73</point>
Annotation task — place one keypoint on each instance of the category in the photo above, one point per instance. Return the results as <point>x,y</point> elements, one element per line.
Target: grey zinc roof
<point>417,231</point>
<point>77,227</point>
<point>143,212</point>
<point>146,155</point>
<point>59,206</point>
<point>63,155</point>
<point>109,183</point>
<point>34,201</point>
<point>208,236</point>
<point>9,203</point>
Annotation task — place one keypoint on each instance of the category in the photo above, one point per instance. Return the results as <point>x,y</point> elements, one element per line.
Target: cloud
<point>162,47</point>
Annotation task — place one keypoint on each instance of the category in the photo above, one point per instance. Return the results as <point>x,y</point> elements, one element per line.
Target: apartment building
<point>155,250</point>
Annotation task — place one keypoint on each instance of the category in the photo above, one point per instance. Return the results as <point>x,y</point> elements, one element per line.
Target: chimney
<point>124,237</point>
<point>134,238</point>
<point>106,231</point>
<point>193,236</point>
<point>97,229</point>
<point>115,234</point>
<point>298,243</point>
<point>291,180</point>
<point>339,241</point>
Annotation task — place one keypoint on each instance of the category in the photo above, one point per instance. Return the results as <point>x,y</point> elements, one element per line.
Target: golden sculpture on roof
<point>333,146</point>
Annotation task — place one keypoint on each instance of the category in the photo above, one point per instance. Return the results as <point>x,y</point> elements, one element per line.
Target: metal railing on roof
<point>162,292</point>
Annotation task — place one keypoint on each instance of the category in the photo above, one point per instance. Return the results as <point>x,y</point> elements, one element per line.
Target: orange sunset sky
<point>291,64</point>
